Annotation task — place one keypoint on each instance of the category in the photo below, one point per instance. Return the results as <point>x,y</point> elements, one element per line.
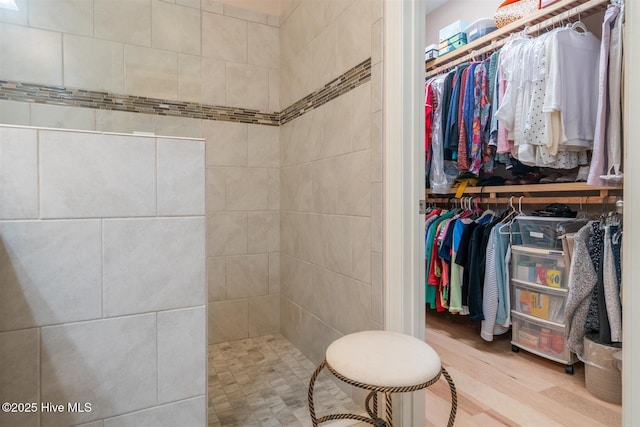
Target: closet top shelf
<point>546,17</point>
<point>534,188</point>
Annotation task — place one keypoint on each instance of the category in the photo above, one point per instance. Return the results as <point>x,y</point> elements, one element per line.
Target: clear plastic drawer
<point>540,337</point>
<point>540,266</point>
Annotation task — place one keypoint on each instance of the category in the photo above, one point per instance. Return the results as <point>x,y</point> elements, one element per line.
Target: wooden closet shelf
<point>570,193</point>
<point>543,18</point>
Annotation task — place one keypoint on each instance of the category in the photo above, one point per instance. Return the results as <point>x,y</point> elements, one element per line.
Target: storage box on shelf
<point>431,52</point>
<point>480,28</point>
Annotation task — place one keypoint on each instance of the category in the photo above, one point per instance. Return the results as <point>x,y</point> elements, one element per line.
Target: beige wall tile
<point>291,321</point>
<point>212,6</point>
<point>354,306</point>
<point>50,272</point>
<point>377,7</point>
<point>376,41</point>
<point>296,188</point>
<point>195,4</point>
<point>333,9</point>
<point>338,235</point>
<point>297,277</point>
<point>286,143</point>
<point>228,320</point>
<point>247,189</point>
<point>274,273</point>
<point>55,116</point>
<point>338,116</point>
<point>274,189</point>
<point>264,146</point>
<point>100,361</point>
<point>296,78</point>
<point>377,288</point>
<point>224,38</point>
<point>227,233</point>
<point>288,232</point>
<point>302,26</point>
<point>227,143</point>
<point>216,189</point>
<point>14,113</point>
<point>18,173</point>
<point>177,126</point>
<point>274,90</point>
<point>127,21</point>
<point>92,424</point>
<point>185,413</point>
<point>316,336</point>
<point>20,16</point>
<point>264,232</point>
<point>361,119</point>
<point>376,146</point>
<point>264,45</point>
<point>247,86</point>
<point>323,50</point>
<point>20,373</point>
<point>376,217</point>
<point>151,72</point>
<point>189,72</point>
<point>175,27</point>
<point>245,14</point>
<point>113,175</point>
<point>247,276</point>
<point>182,348</point>
<point>273,20</point>
<point>181,177</point>
<point>354,183</point>
<point>66,16</point>
<point>93,64</point>
<point>326,291</point>
<point>30,55</point>
<point>376,87</point>
<point>361,229</point>
<point>354,34</point>
<point>153,264</point>
<point>214,81</point>
<point>311,134</point>
<point>123,122</point>
<point>325,186</point>
<point>217,275</point>
<point>264,315</point>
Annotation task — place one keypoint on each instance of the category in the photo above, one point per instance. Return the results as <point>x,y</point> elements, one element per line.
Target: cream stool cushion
<point>383,358</point>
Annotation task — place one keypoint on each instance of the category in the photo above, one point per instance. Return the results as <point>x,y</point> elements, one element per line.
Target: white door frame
<point>631,240</point>
<point>404,186</point>
<point>404,182</point>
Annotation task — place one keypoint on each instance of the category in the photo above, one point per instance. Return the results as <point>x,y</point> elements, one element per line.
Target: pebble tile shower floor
<point>263,382</point>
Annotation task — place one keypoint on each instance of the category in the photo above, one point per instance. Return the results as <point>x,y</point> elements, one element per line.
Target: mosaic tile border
<point>69,97</point>
<point>353,78</point>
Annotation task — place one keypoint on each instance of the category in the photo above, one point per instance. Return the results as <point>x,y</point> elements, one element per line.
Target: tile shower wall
<point>331,175</point>
<point>102,277</point>
<point>201,52</point>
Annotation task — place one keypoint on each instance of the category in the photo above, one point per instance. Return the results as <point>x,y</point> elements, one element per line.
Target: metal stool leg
<point>389,410</point>
<point>312,381</point>
<point>454,398</point>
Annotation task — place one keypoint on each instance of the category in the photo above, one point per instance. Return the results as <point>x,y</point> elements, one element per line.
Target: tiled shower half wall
<point>290,107</point>
<point>102,278</point>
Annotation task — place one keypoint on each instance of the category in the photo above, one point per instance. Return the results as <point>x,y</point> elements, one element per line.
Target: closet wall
<point>177,54</point>
<point>331,175</point>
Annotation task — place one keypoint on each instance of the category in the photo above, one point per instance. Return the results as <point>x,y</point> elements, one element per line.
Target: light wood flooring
<point>497,387</point>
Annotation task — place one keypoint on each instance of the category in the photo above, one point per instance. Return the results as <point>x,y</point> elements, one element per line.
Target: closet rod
<point>583,9</point>
<point>571,200</point>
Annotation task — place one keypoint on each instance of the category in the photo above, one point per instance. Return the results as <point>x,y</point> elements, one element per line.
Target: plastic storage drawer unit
<point>540,301</point>
<point>541,337</point>
<point>539,266</point>
<point>544,232</point>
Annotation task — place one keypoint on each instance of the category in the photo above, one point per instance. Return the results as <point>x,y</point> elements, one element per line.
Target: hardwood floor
<point>497,387</point>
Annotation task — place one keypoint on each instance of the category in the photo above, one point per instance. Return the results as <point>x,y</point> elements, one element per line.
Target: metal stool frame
<point>372,398</point>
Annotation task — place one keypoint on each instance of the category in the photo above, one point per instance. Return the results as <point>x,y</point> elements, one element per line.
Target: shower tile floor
<point>263,382</point>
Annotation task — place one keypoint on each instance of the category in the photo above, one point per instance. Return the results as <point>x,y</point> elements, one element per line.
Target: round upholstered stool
<point>383,362</point>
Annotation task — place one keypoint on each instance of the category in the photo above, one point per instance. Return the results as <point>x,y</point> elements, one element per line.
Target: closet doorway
<point>631,241</point>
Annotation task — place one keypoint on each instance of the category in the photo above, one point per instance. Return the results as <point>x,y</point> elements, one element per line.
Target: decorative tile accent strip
<point>63,96</point>
<point>53,95</point>
<point>353,78</point>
